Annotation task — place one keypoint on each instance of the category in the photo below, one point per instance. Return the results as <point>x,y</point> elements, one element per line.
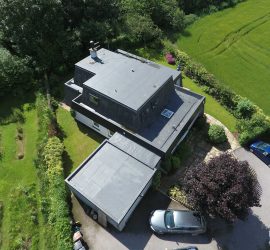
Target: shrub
<point>189,19</point>
<point>216,134</point>
<point>18,115</point>
<point>156,180</point>
<point>20,156</point>
<point>167,165</point>
<point>176,163</point>
<point>177,193</point>
<point>251,129</point>
<point>245,109</point>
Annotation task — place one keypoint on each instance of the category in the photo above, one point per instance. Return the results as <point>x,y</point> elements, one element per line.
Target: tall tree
<point>35,29</point>
<point>223,187</point>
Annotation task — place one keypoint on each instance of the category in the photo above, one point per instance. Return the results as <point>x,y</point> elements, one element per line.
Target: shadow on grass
<point>90,132</point>
<point>67,163</point>
<point>8,103</point>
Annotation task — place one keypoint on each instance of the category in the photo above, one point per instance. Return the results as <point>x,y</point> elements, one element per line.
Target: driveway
<point>137,234</point>
<point>251,234</point>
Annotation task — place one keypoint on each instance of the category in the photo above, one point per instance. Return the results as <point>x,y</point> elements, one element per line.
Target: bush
<point>189,19</point>
<point>176,163</point>
<point>216,134</point>
<point>245,109</point>
<point>167,164</point>
<point>252,129</point>
<point>156,180</point>
<point>20,156</point>
<point>179,195</point>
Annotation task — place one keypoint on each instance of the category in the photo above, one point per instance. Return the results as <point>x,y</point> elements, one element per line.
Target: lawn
<point>79,140</point>
<point>212,107</point>
<point>234,45</point>
<point>16,173</point>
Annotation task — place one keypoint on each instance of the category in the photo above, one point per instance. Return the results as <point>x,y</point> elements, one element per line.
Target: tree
<point>14,73</point>
<point>224,187</point>
<point>35,29</point>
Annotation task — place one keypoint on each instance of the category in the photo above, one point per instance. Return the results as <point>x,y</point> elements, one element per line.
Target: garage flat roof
<point>114,176</point>
<point>126,78</point>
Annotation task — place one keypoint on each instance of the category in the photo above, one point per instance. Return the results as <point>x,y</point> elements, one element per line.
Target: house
<point>143,111</point>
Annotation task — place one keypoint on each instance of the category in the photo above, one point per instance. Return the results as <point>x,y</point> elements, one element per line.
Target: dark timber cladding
<point>114,176</point>
<point>129,90</point>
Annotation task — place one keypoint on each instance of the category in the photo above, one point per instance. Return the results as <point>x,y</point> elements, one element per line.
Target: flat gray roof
<point>163,131</point>
<point>112,178</point>
<point>126,78</point>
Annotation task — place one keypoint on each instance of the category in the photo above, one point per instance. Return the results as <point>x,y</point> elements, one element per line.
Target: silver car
<point>177,221</point>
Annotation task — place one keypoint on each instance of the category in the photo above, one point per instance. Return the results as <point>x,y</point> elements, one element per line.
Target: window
<point>96,125</point>
<point>94,99</point>
<point>167,113</point>
<point>110,133</point>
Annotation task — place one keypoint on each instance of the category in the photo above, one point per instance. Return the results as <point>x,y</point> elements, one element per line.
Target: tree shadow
<point>90,132</point>
<point>249,234</point>
<point>67,163</point>
<point>9,102</point>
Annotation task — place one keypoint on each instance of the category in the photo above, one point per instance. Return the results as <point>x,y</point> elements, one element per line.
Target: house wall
<point>135,204</point>
<point>111,109</point>
<point>120,226</point>
<point>81,75</point>
<point>153,107</point>
<point>127,117</point>
<point>90,123</point>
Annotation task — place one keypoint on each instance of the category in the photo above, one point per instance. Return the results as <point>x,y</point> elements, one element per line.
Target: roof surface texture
<point>112,179</point>
<point>125,78</point>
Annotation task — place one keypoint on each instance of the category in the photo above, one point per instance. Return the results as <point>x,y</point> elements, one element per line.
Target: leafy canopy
<point>223,187</point>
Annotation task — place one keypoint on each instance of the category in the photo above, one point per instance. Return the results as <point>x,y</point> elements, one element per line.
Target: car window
<point>169,221</point>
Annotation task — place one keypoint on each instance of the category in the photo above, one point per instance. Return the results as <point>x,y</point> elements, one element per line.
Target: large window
<point>96,125</point>
<point>94,99</point>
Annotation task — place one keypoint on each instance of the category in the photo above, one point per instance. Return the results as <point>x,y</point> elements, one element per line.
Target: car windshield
<point>169,221</point>
<point>263,146</point>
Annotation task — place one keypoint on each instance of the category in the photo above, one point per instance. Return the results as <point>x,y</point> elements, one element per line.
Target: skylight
<point>167,113</point>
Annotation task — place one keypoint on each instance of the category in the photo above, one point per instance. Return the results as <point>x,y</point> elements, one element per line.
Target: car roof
<point>262,145</point>
<point>187,218</point>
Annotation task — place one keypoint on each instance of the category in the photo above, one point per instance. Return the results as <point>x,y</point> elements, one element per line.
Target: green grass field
<point>79,140</point>
<point>212,107</point>
<point>234,45</point>
<point>18,173</point>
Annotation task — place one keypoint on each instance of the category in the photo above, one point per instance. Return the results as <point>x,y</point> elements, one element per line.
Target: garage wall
<point>135,204</point>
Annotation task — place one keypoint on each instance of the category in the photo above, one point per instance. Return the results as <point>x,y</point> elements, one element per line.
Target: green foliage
<point>1,149</point>
<point>156,180</point>
<point>1,220</point>
<point>16,116</point>
<point>141,28</point>
<point>15,75</point>
<point>253,128</point>
<point>176,163</point>
<point>167,164</point>
<point>231,52</point>
<point>223,187</point>
<point>206,6</point>
<point>216,134</point>
<point>245,109</point>
<point>177,193</point>
<point>23,208</point>
<point>58,214</point>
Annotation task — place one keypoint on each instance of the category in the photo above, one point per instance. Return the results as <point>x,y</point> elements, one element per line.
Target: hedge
<point>59,214</point>
<point>52,186</point>
<point>234,103</point>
